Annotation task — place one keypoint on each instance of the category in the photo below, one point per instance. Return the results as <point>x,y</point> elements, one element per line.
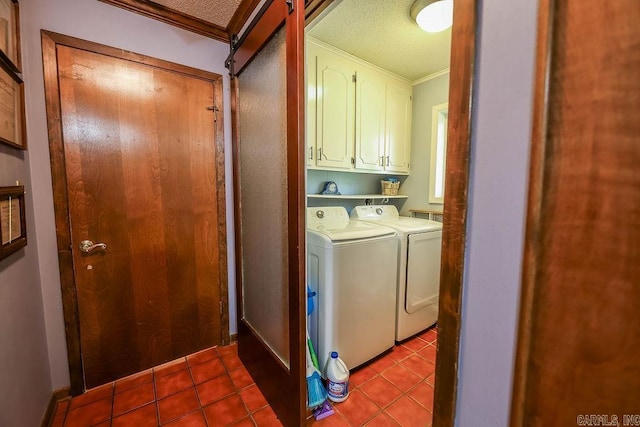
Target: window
<point>438,152</point>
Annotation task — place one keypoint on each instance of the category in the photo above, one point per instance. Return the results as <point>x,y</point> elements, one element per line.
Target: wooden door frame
<point>260,360</point>
<point>50,41</point>
<point>461,84</point>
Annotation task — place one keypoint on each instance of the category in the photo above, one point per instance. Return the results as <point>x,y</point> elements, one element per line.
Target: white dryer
<point>352,267</point>
<point>418,278</point>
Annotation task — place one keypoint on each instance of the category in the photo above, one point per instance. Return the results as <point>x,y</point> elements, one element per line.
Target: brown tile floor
<point>212,388</point>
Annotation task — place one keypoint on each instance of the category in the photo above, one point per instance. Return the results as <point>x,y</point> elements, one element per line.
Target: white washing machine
<point>418,280</point>
<point>352,267</point>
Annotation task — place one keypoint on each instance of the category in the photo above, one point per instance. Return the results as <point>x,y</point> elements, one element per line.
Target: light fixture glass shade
<point>433,16</point>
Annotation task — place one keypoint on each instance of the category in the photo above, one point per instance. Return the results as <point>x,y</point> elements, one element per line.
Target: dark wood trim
<point>463,48</point>
<point>61,209</point>
<point>297,197</point>
<point>259,34</point>
<point>172,17</point>
<point>50,41</point>
<point>241,16</point>
<point>237,216</point>
<point>534,207</point>
<point>221,200</point>
<point>61,39</point>
<point>315,7</point>
<point>50,412</point>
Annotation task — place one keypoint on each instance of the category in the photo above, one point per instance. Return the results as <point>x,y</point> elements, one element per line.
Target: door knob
<point>87,246</point>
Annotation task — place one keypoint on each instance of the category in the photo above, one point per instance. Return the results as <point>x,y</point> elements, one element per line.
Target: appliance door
<point>423,270</point>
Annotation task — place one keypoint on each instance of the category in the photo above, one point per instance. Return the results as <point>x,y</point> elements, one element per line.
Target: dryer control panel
<point>373,212</point>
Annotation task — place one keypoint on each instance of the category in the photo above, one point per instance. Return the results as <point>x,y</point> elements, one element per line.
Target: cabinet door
<point>370,120</point>
<point>310,97</point>
<point>335,111</point>
<point>398,128</point>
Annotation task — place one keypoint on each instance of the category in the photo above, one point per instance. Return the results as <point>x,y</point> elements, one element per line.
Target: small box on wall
<point>13,227</point>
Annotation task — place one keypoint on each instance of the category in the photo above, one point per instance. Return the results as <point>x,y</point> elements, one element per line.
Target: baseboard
<point>56,395</point>
<point>233,338</point>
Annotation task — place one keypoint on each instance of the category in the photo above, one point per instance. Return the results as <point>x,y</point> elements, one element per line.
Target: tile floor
<point>212,388</point>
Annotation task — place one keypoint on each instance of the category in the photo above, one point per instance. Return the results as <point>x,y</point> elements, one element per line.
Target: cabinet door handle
<point>320,153</point>
<point>388,161</point>
<point>381,160</point>
<point>310,153</point>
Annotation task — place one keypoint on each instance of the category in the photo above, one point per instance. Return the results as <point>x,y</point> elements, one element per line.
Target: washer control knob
<point>320,214</point>
<point>379,211</point>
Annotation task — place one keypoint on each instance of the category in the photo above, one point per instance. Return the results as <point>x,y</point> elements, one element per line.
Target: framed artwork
<point>10,34</point>
<point>13,229</point>
<point>12,123</point>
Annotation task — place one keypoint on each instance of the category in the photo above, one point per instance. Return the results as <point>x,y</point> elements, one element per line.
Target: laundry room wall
<point>102,23</point>
<point>500,146</point>
<point>25,378</point>
<point>348,183</point>
<point>426,95</point>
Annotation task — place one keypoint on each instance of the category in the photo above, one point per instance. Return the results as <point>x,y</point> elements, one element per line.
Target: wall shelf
<point>355,196</point>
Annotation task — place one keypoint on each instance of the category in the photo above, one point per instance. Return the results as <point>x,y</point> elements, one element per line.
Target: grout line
<point>195,389</point>
<point>155,397</point>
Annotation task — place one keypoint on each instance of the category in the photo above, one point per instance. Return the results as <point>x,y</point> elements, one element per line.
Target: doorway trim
<point>463,50</point>
<point>50,41</point>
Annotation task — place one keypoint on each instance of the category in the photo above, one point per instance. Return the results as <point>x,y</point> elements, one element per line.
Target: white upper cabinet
<point>370,120</point>
<point>358,116</point>
<point>335,109</point>
<point>398,128</point>
<point>310,96</point>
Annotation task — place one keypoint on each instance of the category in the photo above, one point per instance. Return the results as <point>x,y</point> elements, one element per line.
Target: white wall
<point>499,166</point>
<point>102,23</point>
<point>425,96</point>
<point>25,380</point>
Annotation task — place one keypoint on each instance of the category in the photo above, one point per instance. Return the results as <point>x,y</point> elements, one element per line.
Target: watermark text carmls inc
<point>608,420</point>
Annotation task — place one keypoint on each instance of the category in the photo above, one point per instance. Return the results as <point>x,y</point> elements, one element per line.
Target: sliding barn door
<point>267,68</point>
<point>578,351</point>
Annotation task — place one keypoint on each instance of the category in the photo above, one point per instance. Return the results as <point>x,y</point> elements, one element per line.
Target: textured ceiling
<point>218,12</point>
<point>383,33</point>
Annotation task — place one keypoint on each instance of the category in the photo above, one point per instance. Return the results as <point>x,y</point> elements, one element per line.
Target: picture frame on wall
<point>10,35</point>
<point>12,113</point>
<point>13,226</point>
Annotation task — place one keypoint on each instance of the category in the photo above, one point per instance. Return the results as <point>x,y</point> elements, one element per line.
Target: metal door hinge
<point>354,78</point>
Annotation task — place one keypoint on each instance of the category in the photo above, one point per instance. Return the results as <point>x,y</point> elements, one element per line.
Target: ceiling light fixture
<point>432,15</point>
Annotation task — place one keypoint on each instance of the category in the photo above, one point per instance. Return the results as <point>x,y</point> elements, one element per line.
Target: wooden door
<point>142,184</point>
<point>577,361</point>
<point>269,164</point>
